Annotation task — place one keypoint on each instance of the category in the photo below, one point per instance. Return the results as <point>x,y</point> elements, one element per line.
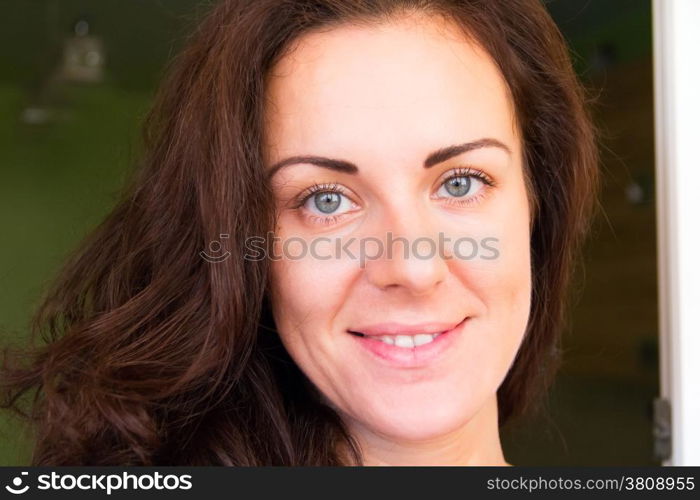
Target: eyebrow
<point>434,158</point>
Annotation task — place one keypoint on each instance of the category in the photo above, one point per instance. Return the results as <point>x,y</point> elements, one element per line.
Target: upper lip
<point>393,328</point>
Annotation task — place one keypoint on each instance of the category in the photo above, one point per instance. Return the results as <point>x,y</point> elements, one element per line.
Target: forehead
<point>400,88</point>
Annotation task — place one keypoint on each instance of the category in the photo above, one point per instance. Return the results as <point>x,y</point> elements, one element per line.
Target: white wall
<point>677,108</point>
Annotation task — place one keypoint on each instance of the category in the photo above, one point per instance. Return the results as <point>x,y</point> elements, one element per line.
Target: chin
<point>420,420</point>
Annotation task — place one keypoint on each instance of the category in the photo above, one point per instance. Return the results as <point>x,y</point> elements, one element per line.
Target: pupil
<point>327,202</point>
<point>458,186</point>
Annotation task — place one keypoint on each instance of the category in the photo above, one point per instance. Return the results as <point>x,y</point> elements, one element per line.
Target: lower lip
<point>414,357</point>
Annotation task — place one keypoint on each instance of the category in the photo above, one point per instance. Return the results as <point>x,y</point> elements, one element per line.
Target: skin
<point>385,97</point>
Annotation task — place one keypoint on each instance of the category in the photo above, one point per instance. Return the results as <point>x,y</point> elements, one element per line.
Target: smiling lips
<point>396,345</point>
<point>405,336</point>
<point>407,341</point>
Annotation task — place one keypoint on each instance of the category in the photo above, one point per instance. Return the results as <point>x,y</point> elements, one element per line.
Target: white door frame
<point>676,33</point>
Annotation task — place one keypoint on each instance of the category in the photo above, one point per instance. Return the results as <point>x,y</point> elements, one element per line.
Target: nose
<point>411,259</point>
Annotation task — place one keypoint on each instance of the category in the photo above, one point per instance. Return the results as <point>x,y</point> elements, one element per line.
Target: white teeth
<point>387,339</point>
<point>423,338</point>
<point>408,341</point>
<point>404,341</point>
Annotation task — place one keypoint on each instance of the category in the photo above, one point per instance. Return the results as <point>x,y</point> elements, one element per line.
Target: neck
<point>477,442</point>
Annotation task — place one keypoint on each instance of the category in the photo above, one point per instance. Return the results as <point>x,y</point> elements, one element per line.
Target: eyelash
<point>334,187</point>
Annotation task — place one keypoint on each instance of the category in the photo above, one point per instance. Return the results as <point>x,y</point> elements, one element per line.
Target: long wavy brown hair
<point>144,353</point>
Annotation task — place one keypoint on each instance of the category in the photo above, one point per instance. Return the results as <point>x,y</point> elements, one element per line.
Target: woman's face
<point>379,102</point>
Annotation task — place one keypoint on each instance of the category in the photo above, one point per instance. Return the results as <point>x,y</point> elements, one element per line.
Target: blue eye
<point>458,186</point>
<point>326,200</point>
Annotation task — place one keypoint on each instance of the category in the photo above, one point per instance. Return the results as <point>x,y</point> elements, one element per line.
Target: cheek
<point>307,294</point>
<point>499,276</point>
<point>503,284</point>
<point>306,289</point>
<point>504,289</point>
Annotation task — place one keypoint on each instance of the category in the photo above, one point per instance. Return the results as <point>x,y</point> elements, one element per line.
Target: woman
<point>313,126</point>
